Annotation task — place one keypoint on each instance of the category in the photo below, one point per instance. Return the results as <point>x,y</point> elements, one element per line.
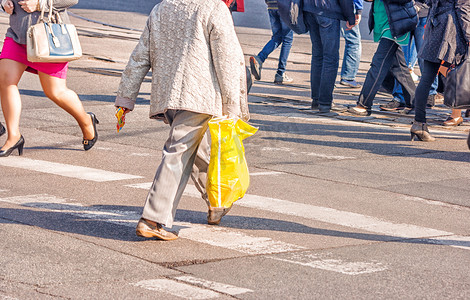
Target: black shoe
<point>88,144</point>
<point>353,110</point>
<point>2,129</point>
<point>393,105</point>
<point>467,113</point>
<point>324,109</point>
<point>431,101</point>
<point>468,140</point>
<point>19,145</point>
<point>315,104</point>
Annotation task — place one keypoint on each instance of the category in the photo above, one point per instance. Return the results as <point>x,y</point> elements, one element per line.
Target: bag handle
<point>51,10</point>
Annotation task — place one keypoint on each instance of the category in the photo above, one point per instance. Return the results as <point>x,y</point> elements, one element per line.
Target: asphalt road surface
<point>338,208</point>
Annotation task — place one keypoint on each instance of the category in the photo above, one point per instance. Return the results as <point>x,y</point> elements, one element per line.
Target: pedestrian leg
<point>179,153</point>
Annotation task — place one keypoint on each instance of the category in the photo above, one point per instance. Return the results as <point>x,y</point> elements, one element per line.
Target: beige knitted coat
<point>196,61</point>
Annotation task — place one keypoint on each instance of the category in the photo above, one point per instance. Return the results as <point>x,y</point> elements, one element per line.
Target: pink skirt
<point>17,52</point>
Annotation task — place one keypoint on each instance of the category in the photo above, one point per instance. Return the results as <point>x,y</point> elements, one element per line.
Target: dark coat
<point>402,16</point>
<point>335,9</point>
<point>447,31</point>
<point>422,7</point>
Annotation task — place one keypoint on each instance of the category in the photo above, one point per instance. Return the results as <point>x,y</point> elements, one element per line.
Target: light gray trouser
<point>186,153</point>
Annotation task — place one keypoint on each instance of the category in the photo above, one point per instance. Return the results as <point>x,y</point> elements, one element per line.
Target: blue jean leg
<point>324,34</point>
<point>352,52</point>
<point>282,34</point>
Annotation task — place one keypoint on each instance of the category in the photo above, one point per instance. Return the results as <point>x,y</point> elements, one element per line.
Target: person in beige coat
<point>198,72</point>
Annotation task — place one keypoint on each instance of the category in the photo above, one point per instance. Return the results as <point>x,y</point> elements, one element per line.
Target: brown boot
<point>150,229</point>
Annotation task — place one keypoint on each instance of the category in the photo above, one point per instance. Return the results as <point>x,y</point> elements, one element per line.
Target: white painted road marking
<point>324,261</point>
<point>212,235</point>
<point>221,237</point>
<point>177,289</point>
<point>334,216</point>
<point>456,241</point>
<point>265,173</point>
<point>216,286</point>
<point>325,214</point>
<point>320,155</point>
<point>66,170</point>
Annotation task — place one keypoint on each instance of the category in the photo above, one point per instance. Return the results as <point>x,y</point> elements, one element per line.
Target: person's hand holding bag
<point>30,6</point>
<point>231,110</point>
<point>8,6</point>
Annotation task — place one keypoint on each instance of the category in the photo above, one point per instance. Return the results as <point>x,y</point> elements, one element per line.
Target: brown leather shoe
<point>453,121</point>
<point>149,229</point>
<point>215,214</point>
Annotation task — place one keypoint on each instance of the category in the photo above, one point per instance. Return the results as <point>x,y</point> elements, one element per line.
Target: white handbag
<point>51,40</point>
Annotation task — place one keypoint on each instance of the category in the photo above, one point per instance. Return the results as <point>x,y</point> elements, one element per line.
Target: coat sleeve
<point>347,7</point>
<point>229,62</point>
<point>135,71</point>
<point>60,4</point>
<point>463,13</point>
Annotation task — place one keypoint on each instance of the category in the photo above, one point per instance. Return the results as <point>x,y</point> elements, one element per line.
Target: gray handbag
<point>51,40</point>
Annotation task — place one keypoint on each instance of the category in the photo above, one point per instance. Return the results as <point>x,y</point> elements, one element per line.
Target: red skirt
<point>17,52</point>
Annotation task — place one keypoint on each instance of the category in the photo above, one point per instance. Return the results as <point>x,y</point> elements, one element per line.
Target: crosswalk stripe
<point>216,286</point>
<point>325,214</point>
<point>222,237</point>
<point>338,217</point>
<point>177,289</point>
<point>212,235</point>
<point>66,170</point>
<point>457,241</point>
<point>324,261</point>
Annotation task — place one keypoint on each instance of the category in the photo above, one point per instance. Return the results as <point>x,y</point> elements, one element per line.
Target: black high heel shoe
<point>19,145</point>
<point>88,144</point>
<point>421,131</point>
<point>2,129</point>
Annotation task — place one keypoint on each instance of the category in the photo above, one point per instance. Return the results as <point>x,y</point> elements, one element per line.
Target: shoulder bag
<point>50,40</point>
<point>457,86</point>
<point>291,14</point>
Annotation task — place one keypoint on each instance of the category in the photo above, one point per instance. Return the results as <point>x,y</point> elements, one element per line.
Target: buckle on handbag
<point>56,42</point>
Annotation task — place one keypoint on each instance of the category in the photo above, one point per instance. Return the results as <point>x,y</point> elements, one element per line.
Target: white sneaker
<point>278,79</point>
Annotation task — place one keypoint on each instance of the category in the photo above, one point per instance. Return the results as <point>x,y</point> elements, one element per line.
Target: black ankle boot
<point>19,145</point>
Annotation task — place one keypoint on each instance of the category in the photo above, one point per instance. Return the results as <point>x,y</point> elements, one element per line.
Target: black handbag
<point>291,14</point>
<point>457,86</point>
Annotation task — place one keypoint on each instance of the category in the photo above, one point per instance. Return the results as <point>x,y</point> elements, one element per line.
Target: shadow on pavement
<point>118,222</point>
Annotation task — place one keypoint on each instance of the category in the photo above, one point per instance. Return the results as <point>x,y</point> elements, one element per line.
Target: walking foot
<point>150,229</point>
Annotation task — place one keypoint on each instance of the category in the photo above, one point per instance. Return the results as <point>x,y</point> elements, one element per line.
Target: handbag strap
<point>51,10</point>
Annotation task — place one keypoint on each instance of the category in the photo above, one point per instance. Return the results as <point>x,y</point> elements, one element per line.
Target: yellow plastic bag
<point>228,177</point>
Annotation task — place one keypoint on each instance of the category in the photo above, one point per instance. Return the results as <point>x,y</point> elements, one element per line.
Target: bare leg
<point>10,74</point>
<point>56,89</point>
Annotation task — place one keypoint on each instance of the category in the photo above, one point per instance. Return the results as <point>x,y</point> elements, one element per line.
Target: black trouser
<point>388,57</point>
<point>428,75</point>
